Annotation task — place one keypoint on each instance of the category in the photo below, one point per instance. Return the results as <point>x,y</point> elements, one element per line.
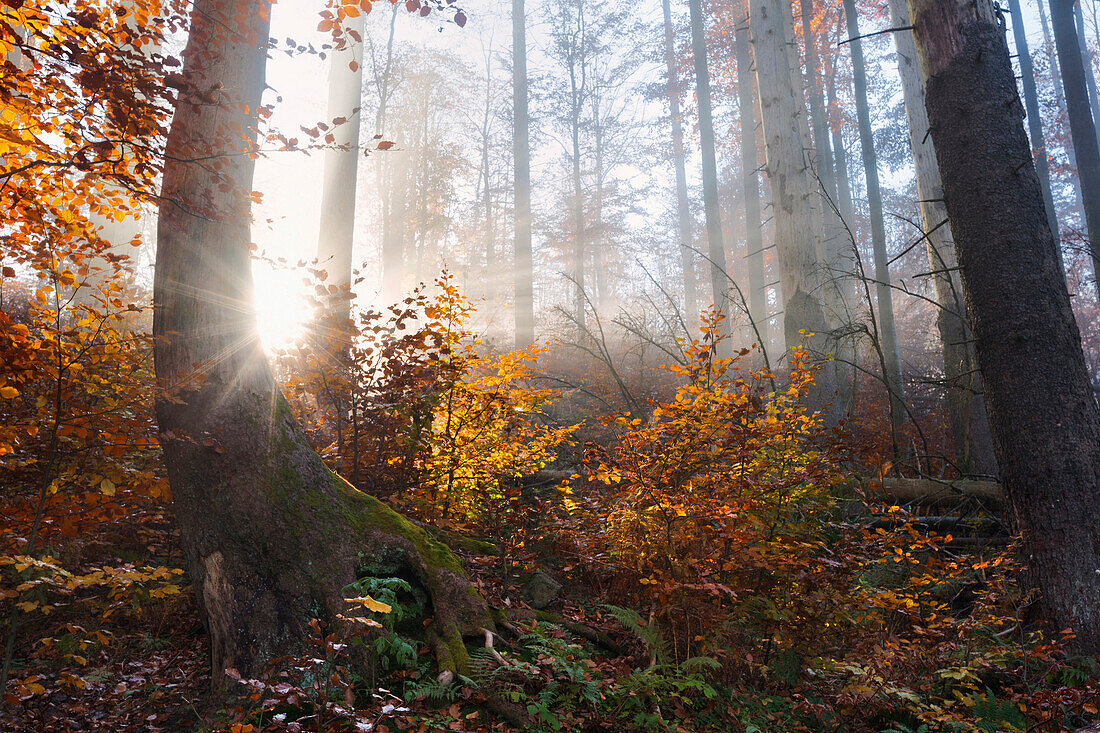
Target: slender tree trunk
<point>973,441</point>
<point>683,208</point>
<point>884,291</point>
<point>393,265</point>
<point>578,222</point>
<point>336,240</point>
<point>271,535</point>
<point>843,188</point>
<point>750,185</point>
<point>1046,425</point>
<point>521,152</point>
<point>835,255</point>
<point>1034,120</point>
<point>1081,124</point>
<point>783,114</point>
<point>1086,60</point>
<point>716,250</point>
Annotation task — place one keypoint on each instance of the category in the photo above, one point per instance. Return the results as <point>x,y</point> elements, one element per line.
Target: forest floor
<point>133,662</point>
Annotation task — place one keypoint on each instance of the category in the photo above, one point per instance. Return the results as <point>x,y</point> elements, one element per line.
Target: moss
<point>364,512</point>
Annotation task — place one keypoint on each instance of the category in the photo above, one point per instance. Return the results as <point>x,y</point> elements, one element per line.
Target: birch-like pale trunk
<point>521,153</point>
<point>716,249</point>
<point>750,186</point>
<point>972,441</point>
<point>336,238</point>
<point>683,207</point>
<point>783,114</point>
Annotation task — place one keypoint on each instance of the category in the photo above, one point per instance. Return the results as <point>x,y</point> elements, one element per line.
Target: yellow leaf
<point>371,604</point>
<point>107,487</point>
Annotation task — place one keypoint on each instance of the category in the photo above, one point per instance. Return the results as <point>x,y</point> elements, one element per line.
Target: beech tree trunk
<point>521,153</point>
<point>972,440</point>
<point>716,250</point>
<point>1044,417</point>
<point>1034,120</point>
<point>884,292</point>
<point>271,535</point>
<point>835,254</point>
<point>783,113</point>
<point>1082,126</point>
<point>683,208</point>
<point>750,186</point>
<point>336,241</point>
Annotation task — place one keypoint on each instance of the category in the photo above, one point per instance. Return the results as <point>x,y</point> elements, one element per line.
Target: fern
<point>646,631</point>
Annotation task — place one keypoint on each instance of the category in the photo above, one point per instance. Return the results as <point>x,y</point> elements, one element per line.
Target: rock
<point>540,590</point>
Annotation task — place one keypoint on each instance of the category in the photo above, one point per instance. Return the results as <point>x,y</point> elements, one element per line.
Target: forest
<point>550,365</point>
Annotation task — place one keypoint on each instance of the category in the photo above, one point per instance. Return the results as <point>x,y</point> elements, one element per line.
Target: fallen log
<point>938,492</point>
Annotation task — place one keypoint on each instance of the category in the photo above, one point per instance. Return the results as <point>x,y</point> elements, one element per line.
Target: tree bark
<point>271,535</point>
<point>887,333</point>
<point>336,240</point>
<point>1045,421</point>
<point>521,152</point>
<point>972,440</point>
<point>750,185</point>
<point>783,114</point>
<point>683,208</point>
<point>716,249</point>
<point>1082,128</point>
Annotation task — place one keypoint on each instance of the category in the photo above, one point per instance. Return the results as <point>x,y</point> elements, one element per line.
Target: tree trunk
<point>1045,421</point>
<point>783,114</point>
<point>389,168</point>
<point>683,208</point>
<point>1086,60</point>
<point>336,240</point>
<point>972,440</point>
<point>835,255</point>
<point>576,99</point>
<point>750,186</point>
<point>716,250</point>
<point>271,535</point>
<point>887,333</point>
<point>521,152</point>
<point>1081,124</point>
<point>1034,120</point>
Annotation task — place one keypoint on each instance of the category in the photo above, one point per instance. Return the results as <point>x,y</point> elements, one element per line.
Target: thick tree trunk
<point>335,243</point>
<point>887,333</point>
<point>521,152</point>
<point>716,249</point>
<point>750,185</point>
<point>683,208</point>
<point>271,535</point>
<point>783,114</point>
<point>973,442</point>
<point>1045,421</point>
<point>1082,128</point>
<point>1034,120</point>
